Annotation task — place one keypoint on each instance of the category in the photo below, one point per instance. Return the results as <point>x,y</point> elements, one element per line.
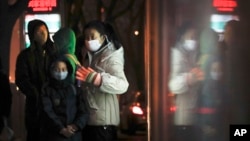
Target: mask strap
<point>106,37</point>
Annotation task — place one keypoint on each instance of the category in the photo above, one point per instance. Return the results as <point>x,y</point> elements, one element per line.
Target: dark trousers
<point>32,127</point>
<point>99,133</point>
<point>33,133</point>
<point>1,124</point>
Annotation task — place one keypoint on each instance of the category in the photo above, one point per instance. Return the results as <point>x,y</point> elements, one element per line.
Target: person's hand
<point>197,75</point>
<point>72,127</point>
<point>82,73</point>
<point>66,132</point>
<point>88,75</point>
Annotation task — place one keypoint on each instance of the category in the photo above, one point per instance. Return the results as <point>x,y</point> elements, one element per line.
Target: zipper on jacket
<point>44,53</point>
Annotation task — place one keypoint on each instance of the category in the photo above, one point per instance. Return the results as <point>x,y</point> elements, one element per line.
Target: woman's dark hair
<point>183,29</point>
<point>104,28</point>
<point>79,46</point>
<point>234,25</point>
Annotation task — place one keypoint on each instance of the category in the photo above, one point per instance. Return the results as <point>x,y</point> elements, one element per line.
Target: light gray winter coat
<point>103,101</point>
<point>182,62</point>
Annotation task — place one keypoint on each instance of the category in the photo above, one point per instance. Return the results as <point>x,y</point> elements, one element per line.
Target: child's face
<point>60,71</point>
<point>60,67</point>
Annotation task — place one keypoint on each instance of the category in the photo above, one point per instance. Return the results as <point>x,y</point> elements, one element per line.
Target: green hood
<point>208,46</point>
<point>65,40</point>
<point>209,41</point>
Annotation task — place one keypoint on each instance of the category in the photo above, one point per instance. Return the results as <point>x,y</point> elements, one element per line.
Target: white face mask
<point>93,45</point>
<point>60,75</point>
<point>215,75</point>
<point>190,44</point>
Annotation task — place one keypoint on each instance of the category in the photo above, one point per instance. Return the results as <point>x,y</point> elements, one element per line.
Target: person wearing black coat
<point>31,73</point>
<point>64,111</point>
<point>5,99</point>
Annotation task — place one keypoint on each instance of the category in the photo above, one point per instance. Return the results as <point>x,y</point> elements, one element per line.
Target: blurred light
<point>102,10</point>
<point>226,9</point>
<point>137,110</point>
<point>11,80</point>
<point>137,94</point>
<point>218,21</point>
<point>136,32</point>
<point>225,5</point>
<point>42,5</point>
<point>206,110</point>
<point>138,104</point>
<point>173,108</point>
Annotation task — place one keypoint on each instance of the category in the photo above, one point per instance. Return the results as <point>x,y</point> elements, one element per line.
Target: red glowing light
<point>42,5</point>
<point>173,108</point>
<point>225,5</point>
<point>225,9</point>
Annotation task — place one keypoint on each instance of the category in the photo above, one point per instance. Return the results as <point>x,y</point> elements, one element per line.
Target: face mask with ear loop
<point>190,44</point>
<point>94,45</point>
<point>60,75</point>
<point>107,39</point>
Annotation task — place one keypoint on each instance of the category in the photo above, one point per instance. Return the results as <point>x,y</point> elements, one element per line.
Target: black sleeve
<point>23,77</point>
<point>5,95</point>
<point>82,111</point>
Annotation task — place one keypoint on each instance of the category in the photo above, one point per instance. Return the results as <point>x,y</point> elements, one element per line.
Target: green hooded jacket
<point>208,46</point>
<point>65,41</point>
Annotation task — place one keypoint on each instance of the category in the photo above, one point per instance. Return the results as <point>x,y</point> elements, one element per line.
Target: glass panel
<point>208,76</point>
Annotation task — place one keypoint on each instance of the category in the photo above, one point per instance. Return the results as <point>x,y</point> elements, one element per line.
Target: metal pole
<point>157,30</point>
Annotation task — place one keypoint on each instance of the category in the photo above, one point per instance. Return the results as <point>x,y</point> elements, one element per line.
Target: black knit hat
<point>32,25</point>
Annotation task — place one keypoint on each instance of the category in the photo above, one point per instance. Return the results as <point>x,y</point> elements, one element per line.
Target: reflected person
<point>184,81</point>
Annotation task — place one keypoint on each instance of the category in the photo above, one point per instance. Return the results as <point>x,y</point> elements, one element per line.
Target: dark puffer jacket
<point>62,104</point>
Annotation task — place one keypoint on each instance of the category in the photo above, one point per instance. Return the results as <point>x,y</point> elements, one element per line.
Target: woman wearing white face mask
<point>64,113</point>
<point>104,78</point>
<point>184,82</point>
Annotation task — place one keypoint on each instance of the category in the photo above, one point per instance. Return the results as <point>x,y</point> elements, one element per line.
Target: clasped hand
<point>69,130</point>
<point>197,75</point>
